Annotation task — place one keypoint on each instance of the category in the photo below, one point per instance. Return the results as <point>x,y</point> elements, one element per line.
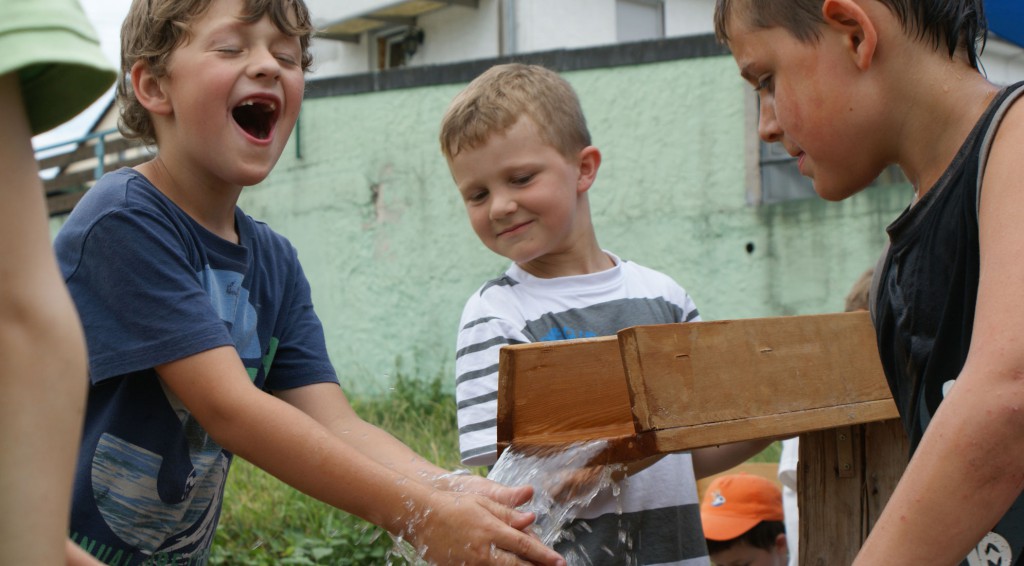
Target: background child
<point>203,342</point>
<point>947,311</point>
<point>51,68</point>
<point>519,151</point>
<point>743,521</point>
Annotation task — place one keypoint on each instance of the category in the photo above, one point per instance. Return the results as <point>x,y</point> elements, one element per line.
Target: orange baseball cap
<point>733,504</point>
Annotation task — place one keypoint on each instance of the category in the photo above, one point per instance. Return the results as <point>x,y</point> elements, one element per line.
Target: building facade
<point>685,187</point>
<point>365,195</point>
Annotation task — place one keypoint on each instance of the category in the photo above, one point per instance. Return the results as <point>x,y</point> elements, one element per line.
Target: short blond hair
<point>153,29</point>
<point>503,94</point>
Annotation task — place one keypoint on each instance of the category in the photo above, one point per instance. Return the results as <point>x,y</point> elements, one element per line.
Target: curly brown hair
<point>153,29</point>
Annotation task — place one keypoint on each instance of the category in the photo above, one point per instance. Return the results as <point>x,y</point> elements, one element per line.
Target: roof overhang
<point>352,27</point>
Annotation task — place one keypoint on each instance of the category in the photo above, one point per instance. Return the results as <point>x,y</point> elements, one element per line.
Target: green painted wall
<point>391,257</point>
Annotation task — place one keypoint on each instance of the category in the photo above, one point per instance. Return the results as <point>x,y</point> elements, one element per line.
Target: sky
<point>106,16</point>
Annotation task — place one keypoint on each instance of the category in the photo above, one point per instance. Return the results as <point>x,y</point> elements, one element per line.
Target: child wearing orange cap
<point>743,521</point>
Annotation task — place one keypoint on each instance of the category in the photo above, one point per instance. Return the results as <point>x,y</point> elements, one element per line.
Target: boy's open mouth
<point>256,117</point>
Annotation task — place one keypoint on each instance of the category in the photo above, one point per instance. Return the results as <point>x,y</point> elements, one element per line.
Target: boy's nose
<point>502,206</point>
<point>264,64</point>
<point>767,125</point>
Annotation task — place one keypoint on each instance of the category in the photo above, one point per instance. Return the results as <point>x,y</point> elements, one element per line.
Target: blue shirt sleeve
<point>139,295</point>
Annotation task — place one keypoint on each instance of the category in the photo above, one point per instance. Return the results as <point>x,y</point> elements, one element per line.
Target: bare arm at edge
<point>42,358</point>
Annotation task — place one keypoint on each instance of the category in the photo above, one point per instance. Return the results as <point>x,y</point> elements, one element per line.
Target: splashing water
<point>405,552</point>
<point>564,479</point>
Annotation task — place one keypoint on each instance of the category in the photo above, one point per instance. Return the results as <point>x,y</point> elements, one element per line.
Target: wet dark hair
<point>761,535</point>
<point>153,29</point>
<point>954,24</point>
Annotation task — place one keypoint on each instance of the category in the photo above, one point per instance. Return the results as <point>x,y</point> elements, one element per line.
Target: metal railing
<point>68,174</point>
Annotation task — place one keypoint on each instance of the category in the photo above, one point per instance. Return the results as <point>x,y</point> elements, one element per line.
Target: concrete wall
<point>385,242</point>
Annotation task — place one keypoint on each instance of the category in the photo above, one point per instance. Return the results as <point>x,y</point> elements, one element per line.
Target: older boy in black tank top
<point>900,79</point>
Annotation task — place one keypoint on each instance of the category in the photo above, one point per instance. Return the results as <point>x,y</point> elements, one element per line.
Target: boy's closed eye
<point>288,59</point>
<point>287,50</point>
<point>762,82</point>
<point>476,196</point>
<point>228,49</point>
<point>520,180</point>
<point>764,85</point>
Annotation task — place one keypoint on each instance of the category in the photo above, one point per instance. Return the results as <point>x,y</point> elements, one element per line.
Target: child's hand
<point>466,482</point>
<point>470,529</point>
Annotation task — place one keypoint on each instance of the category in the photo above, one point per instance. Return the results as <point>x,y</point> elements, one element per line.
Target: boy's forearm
<point>297,449</point>
<point>387,450</point>
<point>965,474</point>
<point>302,453</point>
<point>714,459</point>
<point>284,441</point>
<point>327,404</point>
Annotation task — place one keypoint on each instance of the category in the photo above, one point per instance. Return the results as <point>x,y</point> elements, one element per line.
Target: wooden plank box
<point>666,388</point>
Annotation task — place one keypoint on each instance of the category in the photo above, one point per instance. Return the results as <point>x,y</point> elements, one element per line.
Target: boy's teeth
<point>269,105</point>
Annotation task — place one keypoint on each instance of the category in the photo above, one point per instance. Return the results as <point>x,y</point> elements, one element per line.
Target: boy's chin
<point>835,192</point>
<point>835,184</point>
<point>252,173</point>
<point>251,177</point>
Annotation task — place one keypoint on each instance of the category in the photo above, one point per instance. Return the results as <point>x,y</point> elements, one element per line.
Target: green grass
<point>264,522</point>
<point>769,454</point>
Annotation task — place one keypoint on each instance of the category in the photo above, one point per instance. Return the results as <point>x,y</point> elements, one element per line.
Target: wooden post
<point>844,480</point>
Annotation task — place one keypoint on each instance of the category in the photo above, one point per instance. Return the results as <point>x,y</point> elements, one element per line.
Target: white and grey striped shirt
<point>660,501</point>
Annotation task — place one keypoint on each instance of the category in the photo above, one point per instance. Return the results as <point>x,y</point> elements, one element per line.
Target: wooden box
<point>666,388</point>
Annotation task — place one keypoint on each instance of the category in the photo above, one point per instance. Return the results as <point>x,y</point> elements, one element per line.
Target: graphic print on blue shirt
<point>231,301</point>
<point>138,493</point>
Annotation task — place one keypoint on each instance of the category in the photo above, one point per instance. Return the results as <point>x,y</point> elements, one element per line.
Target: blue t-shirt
<point>153,286</point>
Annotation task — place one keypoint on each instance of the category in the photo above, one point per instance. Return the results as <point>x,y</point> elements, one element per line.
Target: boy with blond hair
<point>203,342</point>
<point>901,79</point>
<point>520,153</point>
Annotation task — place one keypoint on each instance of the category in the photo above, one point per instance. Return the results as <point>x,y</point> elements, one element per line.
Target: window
<point>780,178</point>
<point>637,20</point>
<point>396,46</point>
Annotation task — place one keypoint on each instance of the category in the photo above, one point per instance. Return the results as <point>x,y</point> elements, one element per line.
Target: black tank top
<point>925,299</point>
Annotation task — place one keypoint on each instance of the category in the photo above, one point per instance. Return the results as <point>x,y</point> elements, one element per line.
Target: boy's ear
<point>149,90</point>
<point>781,544</point>
<point>590,162</point>
<point>855,26</point>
